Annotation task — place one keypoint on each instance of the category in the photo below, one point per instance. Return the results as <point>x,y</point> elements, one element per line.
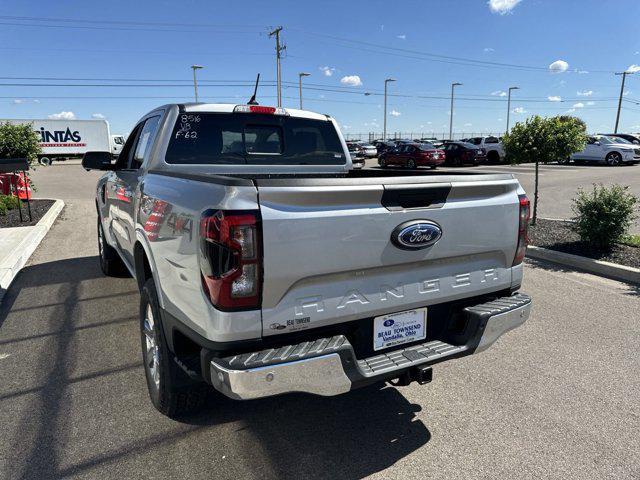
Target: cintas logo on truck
<point>60,138</point>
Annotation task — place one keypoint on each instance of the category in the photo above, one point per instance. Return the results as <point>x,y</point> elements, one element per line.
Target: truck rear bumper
<point>328,366</point>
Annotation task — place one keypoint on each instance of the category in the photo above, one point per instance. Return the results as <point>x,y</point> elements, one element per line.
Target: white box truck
<point>66,139</point>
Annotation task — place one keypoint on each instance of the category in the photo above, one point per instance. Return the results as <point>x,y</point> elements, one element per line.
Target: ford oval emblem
<point>416,234</point>
<point>388,323</point>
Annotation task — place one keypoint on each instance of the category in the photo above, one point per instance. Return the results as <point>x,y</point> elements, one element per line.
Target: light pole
<point>300,75</point>
<point>453,85</point>
<point>509,105</point>
<point>384,133</point>
<point>624,76</point>
<point>195,82</point>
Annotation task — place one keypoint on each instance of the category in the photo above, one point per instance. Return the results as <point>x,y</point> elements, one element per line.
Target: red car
<point>412,155</point>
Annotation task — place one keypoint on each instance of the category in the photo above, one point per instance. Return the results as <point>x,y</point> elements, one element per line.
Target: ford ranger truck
<point>267,265</point>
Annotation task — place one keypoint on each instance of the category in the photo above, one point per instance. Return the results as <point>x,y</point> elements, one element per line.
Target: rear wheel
<point>411,163</point>
<point>171,391</point>
<point>493,157</point>
<point>613,159</point>
<point>45,161</point>
<point>110,262</point>
<point>564,161</point>
<point>382,162</point>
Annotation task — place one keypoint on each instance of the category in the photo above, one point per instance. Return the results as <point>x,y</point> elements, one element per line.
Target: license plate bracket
<point>399,328</point>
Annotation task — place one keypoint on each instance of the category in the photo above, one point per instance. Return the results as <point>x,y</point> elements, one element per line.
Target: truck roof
<point>229,108</point>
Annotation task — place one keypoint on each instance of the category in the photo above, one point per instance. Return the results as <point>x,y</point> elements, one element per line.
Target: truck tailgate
<point>329,255</point>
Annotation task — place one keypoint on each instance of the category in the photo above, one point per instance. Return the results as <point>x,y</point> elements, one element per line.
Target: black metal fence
<point>371,136</point>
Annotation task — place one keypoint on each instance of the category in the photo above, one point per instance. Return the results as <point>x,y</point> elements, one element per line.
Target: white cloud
<point>63,116</point>
<point>591,103</point>
<point>502,6</point>
<point>327,71</point>
<point>468,125</point>
<point>401,37</point>
<point>18,101</point>
<point>633,68</point>
<point>351,80</point>
<point>36,101</point>
<point>578,105</point>
<point>499,93</point>
<point>519,110</point>
<point>626,92</point>
<point>488,50</point>
<point>346,126</point>
<point>558,66</point>
<point>571,110</point>
<point>554,98</point>
<point>98,116</point>
<point>395,113</point>
<point>585,93</point>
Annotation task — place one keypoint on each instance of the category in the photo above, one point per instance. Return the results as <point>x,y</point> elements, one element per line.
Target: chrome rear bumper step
<point>328,366</point>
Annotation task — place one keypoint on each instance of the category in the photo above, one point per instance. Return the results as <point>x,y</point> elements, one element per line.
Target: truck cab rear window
<point>254,139</point>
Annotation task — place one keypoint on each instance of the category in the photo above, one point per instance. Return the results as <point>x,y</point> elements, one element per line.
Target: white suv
<point>609,150</point>
<point>492,145</point>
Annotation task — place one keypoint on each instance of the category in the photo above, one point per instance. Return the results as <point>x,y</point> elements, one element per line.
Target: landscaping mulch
<point>38,209</point>
<point>558,235</point>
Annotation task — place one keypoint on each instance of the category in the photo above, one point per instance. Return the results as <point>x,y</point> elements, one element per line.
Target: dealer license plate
<point>399,328</point>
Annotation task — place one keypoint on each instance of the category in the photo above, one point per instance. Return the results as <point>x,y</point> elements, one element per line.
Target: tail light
<point>231,258</point>
<point>523,226</point>
<point>481,151</point>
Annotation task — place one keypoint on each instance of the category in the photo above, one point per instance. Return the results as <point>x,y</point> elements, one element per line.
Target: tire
<point>171,391</point>
<point>493,157</point>
<point>382,162</point>
<point>433,167</point>
<point>564,161</point>
<point>45,161</point>
<point>411,163</point>
<point>110,262</point>
<point>613,159</point>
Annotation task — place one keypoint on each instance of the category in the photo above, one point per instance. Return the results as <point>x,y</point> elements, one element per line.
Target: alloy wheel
<point>152,351</point>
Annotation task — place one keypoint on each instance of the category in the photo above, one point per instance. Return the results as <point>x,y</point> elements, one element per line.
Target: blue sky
<point>120,46</point>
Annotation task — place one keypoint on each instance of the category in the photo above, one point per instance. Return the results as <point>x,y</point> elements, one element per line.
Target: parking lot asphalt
<point>556,398</point>
<point>559,183</point>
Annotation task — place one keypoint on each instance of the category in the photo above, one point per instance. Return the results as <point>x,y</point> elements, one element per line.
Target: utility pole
<point>300,75</point>
<point>509,105</point>
<point>384,133</point>
<point>279,50</point>
<point>195,82</point>
<point>453,85</point>
<point>624,76</point>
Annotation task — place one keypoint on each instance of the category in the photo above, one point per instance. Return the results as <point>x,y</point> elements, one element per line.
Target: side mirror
<point>636,142</point>
<point>97,161</point>
<point>596,143</point>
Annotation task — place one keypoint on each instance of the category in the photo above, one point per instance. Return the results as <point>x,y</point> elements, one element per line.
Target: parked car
<point>635,139</point>
<point>491,145</point>
<point>383,146</point>
<point>611,151</point>
<point>357,157</point>
<point>461,153</point>
<point>412,155</point>
<point>368,150</point>
<point>266,265</point>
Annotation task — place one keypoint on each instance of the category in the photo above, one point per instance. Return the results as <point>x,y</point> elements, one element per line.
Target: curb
<point>589,265</point>
<point>18,258</point>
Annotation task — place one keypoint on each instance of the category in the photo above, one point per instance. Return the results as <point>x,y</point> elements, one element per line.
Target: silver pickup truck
<point>267,265</point>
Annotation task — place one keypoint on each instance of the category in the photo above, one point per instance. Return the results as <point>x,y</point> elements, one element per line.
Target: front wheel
<point>411,164</point>
<point>171,391</point>
<point>564,161</point>
<point>613,159</point>
<point>382,162</point>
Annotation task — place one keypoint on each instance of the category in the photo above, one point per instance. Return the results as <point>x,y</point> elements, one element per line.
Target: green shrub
<point>604,214</point>
<point>3,209</point>
<point>9,202</point>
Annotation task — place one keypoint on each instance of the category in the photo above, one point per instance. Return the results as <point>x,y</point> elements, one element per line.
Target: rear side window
<point>491,140</point>
<point>255,139</point>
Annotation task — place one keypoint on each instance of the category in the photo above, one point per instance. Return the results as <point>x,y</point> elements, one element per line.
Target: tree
<point>544,140</point>
<point>19,141</point>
